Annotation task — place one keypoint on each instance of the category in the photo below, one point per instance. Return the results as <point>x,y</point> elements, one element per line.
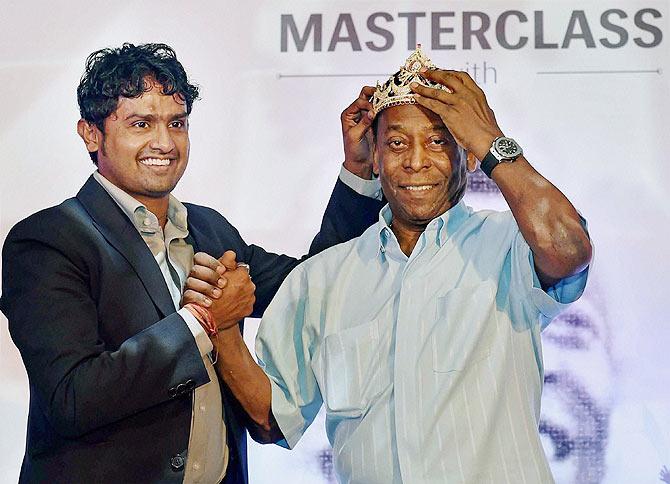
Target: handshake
<point>222,287</point>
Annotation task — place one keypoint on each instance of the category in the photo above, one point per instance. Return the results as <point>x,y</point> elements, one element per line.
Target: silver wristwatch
<point>503,149</point>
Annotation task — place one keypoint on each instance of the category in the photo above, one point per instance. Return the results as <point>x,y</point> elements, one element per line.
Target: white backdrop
<point>266,149</point>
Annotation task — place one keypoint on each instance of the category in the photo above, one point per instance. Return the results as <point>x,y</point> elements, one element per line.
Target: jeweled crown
<point>396,91</point>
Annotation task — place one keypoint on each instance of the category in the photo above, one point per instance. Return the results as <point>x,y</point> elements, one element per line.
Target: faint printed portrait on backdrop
<point>578,373</point>
<point>578,382</point>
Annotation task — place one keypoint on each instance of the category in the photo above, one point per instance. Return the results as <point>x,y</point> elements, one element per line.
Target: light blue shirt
<point>429,366</point>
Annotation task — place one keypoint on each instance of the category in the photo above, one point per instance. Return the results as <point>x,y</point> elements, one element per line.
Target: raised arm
<point>546,218</point>
<point>350,212</point>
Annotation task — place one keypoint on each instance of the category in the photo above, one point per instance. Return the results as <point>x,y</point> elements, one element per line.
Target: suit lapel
<point>203,238</point>
<point>192,239</point>
<point>124,237</point>
<point>199,240</point>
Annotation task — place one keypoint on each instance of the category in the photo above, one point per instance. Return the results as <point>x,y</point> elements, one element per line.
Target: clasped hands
<point>222,286</point>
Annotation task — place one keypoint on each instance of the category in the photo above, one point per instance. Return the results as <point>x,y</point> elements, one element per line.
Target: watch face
<point>507,148</point>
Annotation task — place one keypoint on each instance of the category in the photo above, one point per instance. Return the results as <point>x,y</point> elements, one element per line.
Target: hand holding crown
<point>452,95</point>
<point>356,121</point>
<point>463,109</point>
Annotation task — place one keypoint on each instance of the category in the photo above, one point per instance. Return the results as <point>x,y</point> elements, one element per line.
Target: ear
<point>471,161</point>
<point>375,161</point>
<point>91,135</point>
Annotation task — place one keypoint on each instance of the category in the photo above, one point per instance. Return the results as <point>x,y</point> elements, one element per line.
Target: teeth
<point>419,188</point>
<point>155,161</point>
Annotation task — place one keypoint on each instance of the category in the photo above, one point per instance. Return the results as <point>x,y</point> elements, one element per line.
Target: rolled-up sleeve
<point>524,281</point>
<point>285,347</point>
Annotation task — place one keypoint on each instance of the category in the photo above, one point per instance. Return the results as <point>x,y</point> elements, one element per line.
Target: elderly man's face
<point>422,171</point>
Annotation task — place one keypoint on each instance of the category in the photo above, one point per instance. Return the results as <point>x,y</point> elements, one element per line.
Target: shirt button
<point>196,466</point>
<point>177,463</point>
<point>202,408</point>
<point>147,222</point>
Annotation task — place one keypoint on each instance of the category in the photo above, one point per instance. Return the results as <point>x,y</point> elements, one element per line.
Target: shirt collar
<point>437,231</point>
<point>145,221</point>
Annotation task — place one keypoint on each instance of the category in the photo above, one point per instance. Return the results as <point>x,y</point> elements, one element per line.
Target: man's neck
<point>157,206</point>
<point>407,235</point>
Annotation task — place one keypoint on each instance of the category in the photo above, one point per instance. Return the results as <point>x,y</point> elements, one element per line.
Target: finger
<point>191,296</point>
<point>439,75</point>
<point>204,259</point>
<point>452,79</point>
<point>356,111</point>
<point>433,93</point>
<point>466,79</point>
<point>228,260</point>
<point>361,103</point>
<point>208,275</point>
<point>237,278</point>
<point>448,79</point>
<point>203,287</point>
<point>367,92</point>
<point>358,131</point>
<point>438,107</point>
<point>366,121</point>
<point>245,266</point>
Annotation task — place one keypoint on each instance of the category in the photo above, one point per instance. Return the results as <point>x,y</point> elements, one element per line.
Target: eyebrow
<point>151,117</point>
<point>399,127</point>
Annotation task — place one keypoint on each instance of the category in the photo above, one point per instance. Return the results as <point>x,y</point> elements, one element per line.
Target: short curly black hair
<point>114,72</point>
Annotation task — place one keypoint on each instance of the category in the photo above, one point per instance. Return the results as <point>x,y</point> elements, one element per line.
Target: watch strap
<point>488,164</point>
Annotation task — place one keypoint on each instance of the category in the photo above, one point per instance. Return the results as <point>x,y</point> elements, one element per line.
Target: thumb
<point>359,131</point>
<point>228,260</point>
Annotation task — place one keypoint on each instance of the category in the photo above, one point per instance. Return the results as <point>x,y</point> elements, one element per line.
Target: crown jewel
<point>396,91</point>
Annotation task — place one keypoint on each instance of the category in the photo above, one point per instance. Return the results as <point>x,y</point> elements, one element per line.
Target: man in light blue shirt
<point>422,336</point>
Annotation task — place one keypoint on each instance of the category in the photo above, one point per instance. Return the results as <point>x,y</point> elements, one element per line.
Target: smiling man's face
<point>421,168</point>
<point>144,148</point>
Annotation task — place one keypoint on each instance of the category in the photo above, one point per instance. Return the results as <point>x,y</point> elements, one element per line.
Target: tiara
<point>396,91</point>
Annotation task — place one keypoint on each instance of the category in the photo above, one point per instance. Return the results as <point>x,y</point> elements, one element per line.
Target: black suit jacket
<point>110,363</point>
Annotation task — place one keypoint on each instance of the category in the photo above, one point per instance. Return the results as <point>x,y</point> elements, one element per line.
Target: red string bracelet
<point>206,320</point>
<point>204,317</point>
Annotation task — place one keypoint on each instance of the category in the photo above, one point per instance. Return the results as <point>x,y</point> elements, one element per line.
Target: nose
<point>161,140</point>
<point>417,159</point>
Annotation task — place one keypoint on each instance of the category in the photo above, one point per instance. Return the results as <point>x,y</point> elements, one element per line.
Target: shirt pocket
<point>464,327</point>
<point>353,369</point>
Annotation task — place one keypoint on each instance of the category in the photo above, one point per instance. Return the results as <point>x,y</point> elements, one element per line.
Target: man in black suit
<point>122,388</point>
